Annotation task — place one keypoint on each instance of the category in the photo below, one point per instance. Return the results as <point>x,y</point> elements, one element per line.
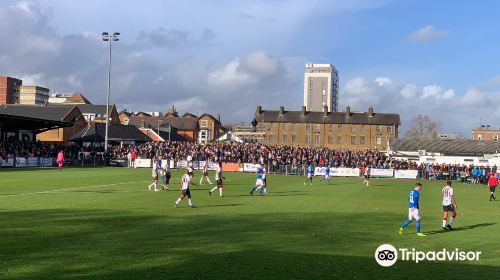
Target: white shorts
<point>259,182</point>
<point>309,175</point>
<point>327,177</point>
<point>413,213</point>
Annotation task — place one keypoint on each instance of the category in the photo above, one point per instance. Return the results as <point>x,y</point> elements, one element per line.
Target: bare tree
<point>423,127</point>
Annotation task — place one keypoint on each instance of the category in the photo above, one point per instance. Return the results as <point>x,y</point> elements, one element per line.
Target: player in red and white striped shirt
<point>449,205</point>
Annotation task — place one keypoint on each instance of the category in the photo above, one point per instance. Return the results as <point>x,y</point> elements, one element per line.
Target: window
<point>339,139</point>
<point>317,127</point>
<point>480,137</point>
<point>353,128</point>
<point>330,139</point>
<point>294,126</point>
<point>339,127</point>
<point>308,126</point>
<point>316,139</point>
<point>495,137</point>
<point>330,127</point>
<point>362,128</point>
<point>390,129</point>
<point>353,140</point>
<point>271,137</point>
<point>308,139</point>
<point>362,140</point>
<point>378,140</point>
<point>285,126</point>
<point>204,123</point>
<point>284,138</point>
<point>294,138</point>
<point>379,129</point>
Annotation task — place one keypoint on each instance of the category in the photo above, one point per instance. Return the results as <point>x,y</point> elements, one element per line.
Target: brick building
<point>337,130</point>
<point>9,90</point>
<point>485,133</point>
<point>209,127</point>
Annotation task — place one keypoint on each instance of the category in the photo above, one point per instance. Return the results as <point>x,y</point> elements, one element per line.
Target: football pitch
<point>101,223</point>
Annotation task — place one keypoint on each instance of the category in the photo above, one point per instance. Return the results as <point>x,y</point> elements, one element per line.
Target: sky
<point>439,58</point>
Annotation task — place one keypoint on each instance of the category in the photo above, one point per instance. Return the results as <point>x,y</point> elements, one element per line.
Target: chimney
<point>304,110</point>
<point>282,110</point>
<point>370,112</point>
<point>347,112</point>
<point>325,111</point>
<point>259,110</point>
<point>218,117</point>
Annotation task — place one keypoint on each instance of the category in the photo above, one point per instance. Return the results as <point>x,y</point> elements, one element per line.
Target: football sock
<point>163,179</point>
<point>154,185</point>
<point>208,179</point>
<point>261,190</point>
<point>178,200</point>
<point>444,222</point>
<point>189,202</point>
<point>418,226</point>
<point>220,191</point>
<point>406,223</point>
<point>452,219</point>
<point>213,189</point>
<point>253,189</point>
<point>149,187</point>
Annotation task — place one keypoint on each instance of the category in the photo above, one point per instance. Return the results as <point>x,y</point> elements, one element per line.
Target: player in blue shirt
<point>413,210</point>
<point>327,174</point>
<point>259,183</point>
<point>310,173</point>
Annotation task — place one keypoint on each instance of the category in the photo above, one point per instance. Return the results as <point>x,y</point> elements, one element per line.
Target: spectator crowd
<point>233,152</point>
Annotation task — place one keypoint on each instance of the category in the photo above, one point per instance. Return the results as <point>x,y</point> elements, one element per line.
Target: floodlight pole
<point>109,38</point>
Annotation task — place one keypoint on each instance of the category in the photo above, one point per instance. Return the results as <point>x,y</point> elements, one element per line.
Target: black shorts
<point>219,182</point>
<point>448,208</point>
<point>367,177</point>
<point>264,181</point>
<point>492,189</point>
<point>186,192</point>
<point>205,173</point>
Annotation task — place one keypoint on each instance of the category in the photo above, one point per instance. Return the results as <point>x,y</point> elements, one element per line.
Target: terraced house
<point>337,130</point>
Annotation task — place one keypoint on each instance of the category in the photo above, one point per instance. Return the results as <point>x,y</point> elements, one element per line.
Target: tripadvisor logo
<point>387,255</point>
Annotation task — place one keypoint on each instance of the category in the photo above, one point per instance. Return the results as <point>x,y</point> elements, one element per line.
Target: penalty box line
<point>75,188</point>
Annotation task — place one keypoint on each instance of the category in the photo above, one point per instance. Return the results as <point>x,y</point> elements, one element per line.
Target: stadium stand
<point>456,147</point>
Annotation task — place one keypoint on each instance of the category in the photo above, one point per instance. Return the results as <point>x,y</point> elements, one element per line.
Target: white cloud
<point>409,91</point>
<point>436,92</point>
<point>247,70</point>
<point>458,113</point>
<point>426,34</point>
<point>383,81</point>
<point>193,105</point>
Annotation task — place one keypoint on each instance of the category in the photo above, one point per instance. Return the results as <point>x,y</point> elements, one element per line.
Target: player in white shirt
<point>449,205</point>
<point>205,174</point>
<point>154,173</point>
<point>186,180</point>
<point>264,176</point>
<point>368,172</point>
<point>218,180</point>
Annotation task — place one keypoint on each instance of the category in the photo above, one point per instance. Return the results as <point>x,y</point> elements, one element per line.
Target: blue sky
<point>409,57</point>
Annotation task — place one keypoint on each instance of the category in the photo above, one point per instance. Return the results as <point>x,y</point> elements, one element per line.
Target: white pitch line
<point>75,188</point>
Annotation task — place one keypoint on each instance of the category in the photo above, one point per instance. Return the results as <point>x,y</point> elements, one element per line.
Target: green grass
<point>101,223</point>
